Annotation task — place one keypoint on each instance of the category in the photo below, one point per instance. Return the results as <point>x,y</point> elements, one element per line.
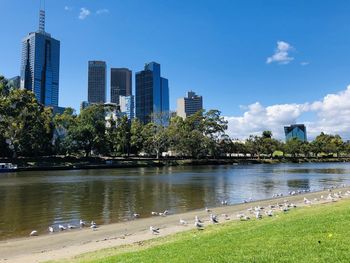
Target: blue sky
<point>219,49</point>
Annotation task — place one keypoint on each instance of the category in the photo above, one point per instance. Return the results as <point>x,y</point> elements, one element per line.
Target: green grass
<point>316,234</point>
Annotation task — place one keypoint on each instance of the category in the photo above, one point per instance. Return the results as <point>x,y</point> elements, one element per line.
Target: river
<point>36,200</point>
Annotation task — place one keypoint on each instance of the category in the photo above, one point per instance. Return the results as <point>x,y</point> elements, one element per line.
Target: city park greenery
<point>29,129</point>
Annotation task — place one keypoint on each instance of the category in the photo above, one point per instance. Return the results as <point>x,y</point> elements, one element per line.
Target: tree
<point>293,146</point>
<point>119,136</point>
<point>62,123</point>
<point>156,139</point>
<point>89,132</point>
<point>136,138</point>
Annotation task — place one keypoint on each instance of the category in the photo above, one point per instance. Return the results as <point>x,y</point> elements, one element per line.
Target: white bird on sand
<point>154,230</point>
<point>306,201</point>
<point>226,216</point>
<point>71,226</point>
<point>207,210</point>
<point>51,230</point>
<point>61,227</point>
<point>198,225</point>
<point>269,213</point>
<point>82,223</point>
<point>33,233</point>
<point>258,215</point>
<point>224,202</point>
<point>154,213</point>
<point>183,222</point>
<point>214,219</point>
<point>136,215</point>
<point>197,219</point>
<point>166,212</point>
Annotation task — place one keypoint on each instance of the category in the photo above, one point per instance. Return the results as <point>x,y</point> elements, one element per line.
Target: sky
<point>263,63</point>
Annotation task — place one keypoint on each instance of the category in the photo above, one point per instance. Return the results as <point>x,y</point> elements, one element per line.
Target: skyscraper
<point>127,106</point>
<point>296,131</point>
<point>152,94</point>
<point>97,79</point>
<point>121,83</point>
<point>189,105</point>
<point>40,64</point>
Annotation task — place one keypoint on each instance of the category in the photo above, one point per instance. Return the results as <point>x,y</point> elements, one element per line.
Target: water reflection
<point>38,199</point>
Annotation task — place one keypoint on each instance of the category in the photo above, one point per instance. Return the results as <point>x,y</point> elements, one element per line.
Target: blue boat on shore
<point>7,167</point>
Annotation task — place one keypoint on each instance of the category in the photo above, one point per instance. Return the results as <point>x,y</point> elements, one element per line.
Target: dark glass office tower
<point>97,82</point>
<point>152,94</point>
<point>40,64</point>
<point>121,83</point>
<point>296,131</point>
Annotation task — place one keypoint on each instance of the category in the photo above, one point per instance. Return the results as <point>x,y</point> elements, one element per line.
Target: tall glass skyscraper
<point>121,83</point>
<point>97,82</point>
<point>152,94</point>
<point>40,64</point>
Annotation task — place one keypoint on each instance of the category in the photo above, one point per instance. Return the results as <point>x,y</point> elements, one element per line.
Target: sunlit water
<point>36,200</point>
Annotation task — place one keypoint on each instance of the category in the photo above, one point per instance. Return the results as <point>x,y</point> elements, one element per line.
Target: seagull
<point>258,215</point>
<point>214,219</point>
<point>166,212</point>
<point>154,230</point>
<point>207,210</point>
<point>226,216</point>
<point>197,219</point>
<point>198,225</point>
<point>136,215</point>
<point>224,202</point>
<point>51,230</point>
<point>93,225</point>
<point>61,227</point>
<point>154,213</point>
<point>269,213</point>
<point>33,233</point>
<point>183,222</point>
<point>71,226</point>
<point>306,201</point>
<point>82,223</point>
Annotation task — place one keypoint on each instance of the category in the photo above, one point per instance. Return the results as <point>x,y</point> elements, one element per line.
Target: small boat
<point>7,167</point>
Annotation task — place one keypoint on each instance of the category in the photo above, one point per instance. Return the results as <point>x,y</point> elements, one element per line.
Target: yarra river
<point>36,200</point>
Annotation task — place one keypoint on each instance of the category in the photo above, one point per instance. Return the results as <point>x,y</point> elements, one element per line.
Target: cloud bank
<point>281,55</point>
<point>332,115</point>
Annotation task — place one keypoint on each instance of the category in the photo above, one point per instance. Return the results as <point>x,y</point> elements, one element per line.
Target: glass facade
<point>127,106</point>
<point>97,82</point>
<point>40,67</point>
<point>121,83</point>
<point>295,131</point>
<point>189,105</point>
<point>152,94</point>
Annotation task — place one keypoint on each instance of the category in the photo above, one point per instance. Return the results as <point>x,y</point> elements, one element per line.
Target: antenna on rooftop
<point>42,17</point>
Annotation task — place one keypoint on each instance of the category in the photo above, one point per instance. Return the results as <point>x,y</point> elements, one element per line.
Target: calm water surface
<point>35,200</point>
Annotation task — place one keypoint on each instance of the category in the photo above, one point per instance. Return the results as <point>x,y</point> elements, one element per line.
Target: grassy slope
<point>316,234</point>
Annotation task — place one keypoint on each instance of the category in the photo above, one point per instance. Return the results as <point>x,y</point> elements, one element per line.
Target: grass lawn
<point>313,234</point>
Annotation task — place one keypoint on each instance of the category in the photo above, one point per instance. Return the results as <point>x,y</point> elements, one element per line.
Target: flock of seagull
<point>258,212</point>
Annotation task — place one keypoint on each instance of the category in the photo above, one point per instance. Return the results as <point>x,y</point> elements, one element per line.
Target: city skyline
<point>282,80</point>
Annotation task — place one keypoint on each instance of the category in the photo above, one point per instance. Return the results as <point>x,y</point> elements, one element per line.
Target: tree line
<point>29,129</point>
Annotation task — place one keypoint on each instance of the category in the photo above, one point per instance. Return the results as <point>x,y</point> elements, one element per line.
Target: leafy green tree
<point>136,137</point>
<point>62,123</point>
<point>119,136</point>
<point>293,147</point>
<point>156,139</point>
<point>89,132</point>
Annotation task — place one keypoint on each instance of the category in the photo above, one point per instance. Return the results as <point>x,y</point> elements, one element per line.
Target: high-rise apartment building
<point>296,131</point>
<point>40,64</point>
<point>152,95</point>
<point>121,83</point>
<point>189,105</point>
<point>97,82</point>
<point>127,106</point>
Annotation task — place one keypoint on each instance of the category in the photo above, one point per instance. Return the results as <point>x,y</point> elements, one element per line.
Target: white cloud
<point>332,115</point>
<point>102,11</point>
<point>68,8</point>
<point>304,63</point>
<point>281,55</point>
<point>84,13</point>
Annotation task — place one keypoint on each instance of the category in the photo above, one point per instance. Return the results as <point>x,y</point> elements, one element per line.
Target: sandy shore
<point>68,244</point>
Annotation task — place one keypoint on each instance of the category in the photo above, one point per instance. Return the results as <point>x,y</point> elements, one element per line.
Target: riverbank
<point>69,244</point>
<point>74,163</point>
